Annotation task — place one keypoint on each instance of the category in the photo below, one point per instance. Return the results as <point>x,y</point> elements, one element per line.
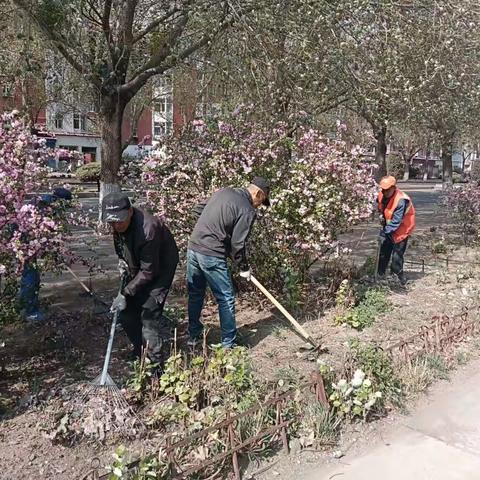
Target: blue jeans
<point>29,289</point>
<point>203,270</point>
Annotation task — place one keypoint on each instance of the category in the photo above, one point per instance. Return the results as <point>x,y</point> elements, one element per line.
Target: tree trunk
<point>381,151</point>
<point>111,119</point>
<point>406,171</point>
<point>447,167</point>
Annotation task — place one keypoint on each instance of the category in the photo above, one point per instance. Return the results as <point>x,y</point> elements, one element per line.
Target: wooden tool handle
<point>79,281</point>
<point>287,315</point>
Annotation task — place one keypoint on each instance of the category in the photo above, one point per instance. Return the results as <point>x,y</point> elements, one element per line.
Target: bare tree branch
<point>58,41</point>
<point>155,24</point>
<point>132,86</point>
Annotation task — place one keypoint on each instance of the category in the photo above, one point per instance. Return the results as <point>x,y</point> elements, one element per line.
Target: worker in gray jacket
<point>221,231</point>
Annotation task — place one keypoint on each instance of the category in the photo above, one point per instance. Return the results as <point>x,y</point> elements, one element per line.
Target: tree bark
<point>380,134</point>
<point>111,118</point>
<point>447,163</point>
<point>406,171</point>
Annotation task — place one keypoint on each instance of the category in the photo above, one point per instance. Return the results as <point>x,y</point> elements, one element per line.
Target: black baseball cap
<point>264,186</point>
<point>115,207</point>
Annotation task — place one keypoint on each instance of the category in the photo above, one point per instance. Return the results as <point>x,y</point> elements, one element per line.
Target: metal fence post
<point>283,430</point>
<point>231,437</point>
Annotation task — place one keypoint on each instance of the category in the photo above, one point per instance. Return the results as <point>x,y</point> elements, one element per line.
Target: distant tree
<point>117,46</point>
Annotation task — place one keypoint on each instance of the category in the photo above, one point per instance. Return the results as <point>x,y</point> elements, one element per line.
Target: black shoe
<point>194,342</point>
<point>402,279</point>
<point>133,355</point>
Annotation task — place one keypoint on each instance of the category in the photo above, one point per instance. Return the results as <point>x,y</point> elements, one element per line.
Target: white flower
<point>358,377</point>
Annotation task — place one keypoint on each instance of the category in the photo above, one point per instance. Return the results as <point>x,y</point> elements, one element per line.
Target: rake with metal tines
<point>104,405</point>
<point>104,381</point>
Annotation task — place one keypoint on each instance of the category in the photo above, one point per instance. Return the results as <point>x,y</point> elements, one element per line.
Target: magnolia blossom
<point>28,231</point>
<point>320,188</point>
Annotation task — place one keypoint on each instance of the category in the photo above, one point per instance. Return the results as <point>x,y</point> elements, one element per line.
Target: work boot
<point>134,354</point>
<point>194,342</point>
<point>402,279</point>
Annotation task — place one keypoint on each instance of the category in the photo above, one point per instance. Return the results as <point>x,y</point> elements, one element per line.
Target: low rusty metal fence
<point>276,433</point>
<point>441,334</point>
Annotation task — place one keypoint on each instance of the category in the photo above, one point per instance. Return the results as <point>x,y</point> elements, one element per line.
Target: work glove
<point>382,220</point>
<point>123,268</point>
<point>119,304</point>
<point>247,275</point>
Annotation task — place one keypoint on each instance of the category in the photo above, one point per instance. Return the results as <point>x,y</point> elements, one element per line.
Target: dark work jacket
<point>150,251</point>
<point>224,225</point>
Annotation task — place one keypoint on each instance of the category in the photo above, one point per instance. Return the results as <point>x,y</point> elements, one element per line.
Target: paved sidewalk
<point>441,441</point>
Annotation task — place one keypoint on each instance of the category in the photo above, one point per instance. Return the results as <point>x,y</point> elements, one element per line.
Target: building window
<point>158,129</point>
<point>79,122</point>
<point>164,105</point>
<point>58,121</point>
<point>7,90</point>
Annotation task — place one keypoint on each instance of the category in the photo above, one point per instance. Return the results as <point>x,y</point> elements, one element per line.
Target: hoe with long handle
<point>300,330</point>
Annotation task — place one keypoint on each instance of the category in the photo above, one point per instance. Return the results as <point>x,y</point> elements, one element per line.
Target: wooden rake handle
<point>287,315</point>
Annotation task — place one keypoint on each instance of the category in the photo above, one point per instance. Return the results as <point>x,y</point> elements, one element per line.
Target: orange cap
<point>388,182</point>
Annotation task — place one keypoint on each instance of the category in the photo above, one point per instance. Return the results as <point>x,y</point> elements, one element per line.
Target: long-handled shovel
<point>303,333</point>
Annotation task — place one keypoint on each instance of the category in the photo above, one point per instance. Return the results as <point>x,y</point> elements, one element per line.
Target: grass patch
<point>438,366</point>
<point>360,310</point>
<point>416,378</point>
<point>320,426</point>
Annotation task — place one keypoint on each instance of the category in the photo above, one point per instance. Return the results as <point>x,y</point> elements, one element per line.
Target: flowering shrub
<point>320,188</point>
<point>355,398</point>
<point>29,231</point>
<point>464,204</point>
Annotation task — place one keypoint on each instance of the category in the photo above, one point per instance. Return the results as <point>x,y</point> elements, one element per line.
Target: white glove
<point>119,304</point>
<point>247,274</point>
<point>123,267</point>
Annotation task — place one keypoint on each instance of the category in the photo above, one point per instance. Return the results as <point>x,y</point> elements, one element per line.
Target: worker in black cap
<point>148,258</point>
<point>221,232</point>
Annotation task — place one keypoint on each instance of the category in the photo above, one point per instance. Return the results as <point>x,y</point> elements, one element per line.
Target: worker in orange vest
<point>398,222</point>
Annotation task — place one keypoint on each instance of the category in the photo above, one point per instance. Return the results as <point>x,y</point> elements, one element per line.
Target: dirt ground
<point>45,367</point>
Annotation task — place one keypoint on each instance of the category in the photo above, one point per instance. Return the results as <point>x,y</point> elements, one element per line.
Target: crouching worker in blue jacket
<point>30,281</point>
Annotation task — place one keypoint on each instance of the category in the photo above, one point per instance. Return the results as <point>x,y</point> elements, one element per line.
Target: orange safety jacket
<point>408,223</point>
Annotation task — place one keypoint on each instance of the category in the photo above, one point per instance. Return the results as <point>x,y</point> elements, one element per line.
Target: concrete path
<point>63,291</point>
<point>441,441</point>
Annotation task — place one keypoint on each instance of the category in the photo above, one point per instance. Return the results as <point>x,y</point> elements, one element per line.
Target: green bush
<point>89,172</point>
<point>373,303</point>
<point>439,247</point>
<point>377,366</point>
<point>354,398</point>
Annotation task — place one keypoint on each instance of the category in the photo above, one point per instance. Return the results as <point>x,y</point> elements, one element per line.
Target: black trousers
<point>145,325</point>
<point>394,251</point>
